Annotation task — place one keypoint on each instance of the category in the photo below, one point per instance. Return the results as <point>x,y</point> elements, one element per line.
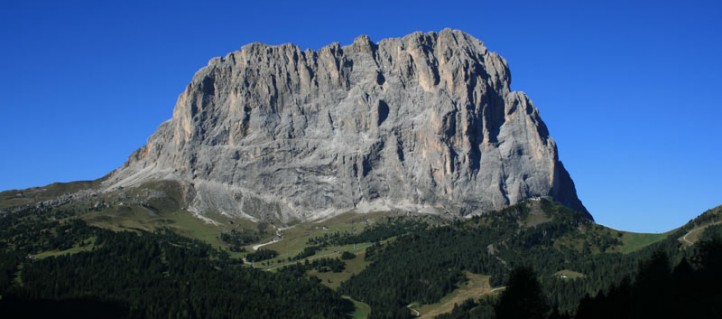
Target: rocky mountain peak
<point>424,123</point>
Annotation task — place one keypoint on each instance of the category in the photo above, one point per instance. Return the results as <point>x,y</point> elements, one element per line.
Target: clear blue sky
<point>631,90</point>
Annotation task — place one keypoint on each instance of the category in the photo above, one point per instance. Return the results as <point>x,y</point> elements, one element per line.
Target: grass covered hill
<point>139,254</point>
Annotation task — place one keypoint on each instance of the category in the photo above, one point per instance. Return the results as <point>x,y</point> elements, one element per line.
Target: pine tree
<point>523,297</point>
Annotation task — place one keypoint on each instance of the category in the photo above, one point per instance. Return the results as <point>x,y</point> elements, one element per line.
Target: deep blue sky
<point>631,92</point>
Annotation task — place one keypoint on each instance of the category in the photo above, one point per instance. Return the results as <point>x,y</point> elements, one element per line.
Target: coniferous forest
<point>52,263</point>
<point>425,266</point>
<point>142,275</point>
<point>659,289</point>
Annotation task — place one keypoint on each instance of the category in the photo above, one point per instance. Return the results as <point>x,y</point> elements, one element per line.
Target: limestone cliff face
<point>424,123</point>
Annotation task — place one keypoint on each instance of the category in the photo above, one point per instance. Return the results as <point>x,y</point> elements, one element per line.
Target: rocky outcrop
<point>425,123</point>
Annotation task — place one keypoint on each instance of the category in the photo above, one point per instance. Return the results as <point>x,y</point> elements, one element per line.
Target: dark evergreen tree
<point>657,292</point>
<point>522,298</point>
<point>346,255</point>
<point>653,288</point>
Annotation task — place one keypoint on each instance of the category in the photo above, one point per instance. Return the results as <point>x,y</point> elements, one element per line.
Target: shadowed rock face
<point>424,123</point>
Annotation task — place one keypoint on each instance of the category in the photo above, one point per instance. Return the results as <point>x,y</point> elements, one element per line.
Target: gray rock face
<point>424,123</point>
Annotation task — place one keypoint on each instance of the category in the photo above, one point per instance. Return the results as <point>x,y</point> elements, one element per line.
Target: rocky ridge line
<point>425,123</point>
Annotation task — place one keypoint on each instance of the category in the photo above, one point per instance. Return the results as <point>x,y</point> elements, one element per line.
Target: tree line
<point>140,274</point>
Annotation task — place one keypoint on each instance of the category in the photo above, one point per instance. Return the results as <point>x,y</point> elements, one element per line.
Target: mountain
<point>268,135</point>
<point>424,123</point>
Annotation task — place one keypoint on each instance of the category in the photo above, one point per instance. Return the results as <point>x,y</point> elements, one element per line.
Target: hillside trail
<point>696,231</point>
<point>279,237</point>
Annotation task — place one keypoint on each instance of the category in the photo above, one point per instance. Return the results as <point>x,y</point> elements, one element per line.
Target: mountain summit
<point>425,123</point>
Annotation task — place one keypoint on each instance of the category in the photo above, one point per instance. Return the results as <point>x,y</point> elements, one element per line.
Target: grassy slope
<point>141,218</point>
<point>295,238</point>
<point>687,234</point>
<point>690,233</point>
<point>87,245</point>
<point>125,214</point>
<point>166,212</point>
<point>694,234</point>
<point>476,287</point>
<point>353,267</point>
<point>37,194</point>
<point>362,311</point>
<point>632,242</point>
